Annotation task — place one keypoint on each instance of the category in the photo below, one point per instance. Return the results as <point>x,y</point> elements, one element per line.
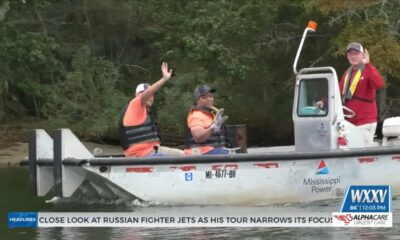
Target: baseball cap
<point>141,87</point>
<point>356,46</point>
<point>201,90</point>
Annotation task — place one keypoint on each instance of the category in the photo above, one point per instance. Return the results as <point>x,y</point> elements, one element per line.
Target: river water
<point>15,196</point>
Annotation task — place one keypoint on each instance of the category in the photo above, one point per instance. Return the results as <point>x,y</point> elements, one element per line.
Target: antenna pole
<point>311,27</point>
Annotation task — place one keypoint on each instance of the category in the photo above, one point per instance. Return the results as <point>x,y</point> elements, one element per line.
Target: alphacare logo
<point>322,168</point>
<point>346,218</point>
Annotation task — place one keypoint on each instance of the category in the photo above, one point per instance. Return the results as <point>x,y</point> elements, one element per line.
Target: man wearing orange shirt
<point>205,133</point>
<point>137,129</point>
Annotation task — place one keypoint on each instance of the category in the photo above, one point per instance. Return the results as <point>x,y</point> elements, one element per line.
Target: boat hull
<point>263,176</point>
<point>252,183</point>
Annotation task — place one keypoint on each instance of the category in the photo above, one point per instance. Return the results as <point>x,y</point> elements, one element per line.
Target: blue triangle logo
<point>324,170</point>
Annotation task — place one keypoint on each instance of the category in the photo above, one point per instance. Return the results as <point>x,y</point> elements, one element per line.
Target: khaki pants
<point>369,133</point>
<point>169,151</point>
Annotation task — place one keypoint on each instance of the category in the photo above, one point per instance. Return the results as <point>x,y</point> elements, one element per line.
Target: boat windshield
<point>311,92</point>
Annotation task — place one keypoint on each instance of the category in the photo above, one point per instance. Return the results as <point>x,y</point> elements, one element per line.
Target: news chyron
<point>362,206</point>
<point>365,206</point>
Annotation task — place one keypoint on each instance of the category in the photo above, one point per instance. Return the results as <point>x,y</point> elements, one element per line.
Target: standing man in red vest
<point>358,87</point>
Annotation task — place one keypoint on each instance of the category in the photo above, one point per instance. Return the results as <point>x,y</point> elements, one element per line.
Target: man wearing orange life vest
<point>205,130</point>
<point>137,129</point>
<point>358,87</point>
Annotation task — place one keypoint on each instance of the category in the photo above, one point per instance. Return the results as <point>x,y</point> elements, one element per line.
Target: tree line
<point>75,63</point>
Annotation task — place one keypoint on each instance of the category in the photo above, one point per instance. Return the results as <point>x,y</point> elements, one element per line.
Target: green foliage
<point>28,66</point>
<point>178,98</point>
<point>88,100</point>
<point>382,45</point>
<point>215,34</point>
<point>226,42</point>
<point>243,48</point>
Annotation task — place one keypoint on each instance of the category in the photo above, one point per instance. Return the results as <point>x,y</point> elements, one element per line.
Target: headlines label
<point>22,219</point>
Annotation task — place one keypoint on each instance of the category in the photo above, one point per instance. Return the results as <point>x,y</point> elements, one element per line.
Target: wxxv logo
<point>364,206</point>
<point>367,199</point>
<point>369,196</point>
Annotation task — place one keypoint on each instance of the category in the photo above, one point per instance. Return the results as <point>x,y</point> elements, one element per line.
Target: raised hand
<point>365,60</point>
<point>167,73</point>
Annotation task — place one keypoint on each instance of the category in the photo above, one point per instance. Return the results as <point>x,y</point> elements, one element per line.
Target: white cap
<point>355,46</point>
<point>141,87</point>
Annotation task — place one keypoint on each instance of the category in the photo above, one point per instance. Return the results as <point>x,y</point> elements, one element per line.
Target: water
<point>16,196</point>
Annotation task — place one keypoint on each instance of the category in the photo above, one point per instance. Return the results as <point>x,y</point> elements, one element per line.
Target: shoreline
<point>10,156</point>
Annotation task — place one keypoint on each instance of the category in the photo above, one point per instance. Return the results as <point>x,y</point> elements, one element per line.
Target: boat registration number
<point>221,173</point>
